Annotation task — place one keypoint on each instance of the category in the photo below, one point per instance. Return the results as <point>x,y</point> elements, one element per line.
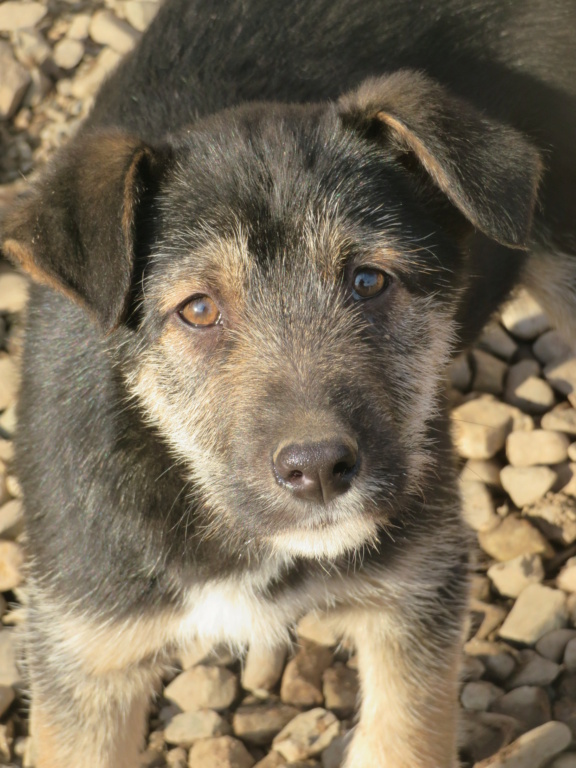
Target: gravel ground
<point>514,422</point>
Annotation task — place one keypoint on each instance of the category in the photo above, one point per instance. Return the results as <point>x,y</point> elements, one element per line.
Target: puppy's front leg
<point>409,649</point>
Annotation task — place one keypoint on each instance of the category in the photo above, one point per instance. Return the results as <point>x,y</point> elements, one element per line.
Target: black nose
<point>317,471</point>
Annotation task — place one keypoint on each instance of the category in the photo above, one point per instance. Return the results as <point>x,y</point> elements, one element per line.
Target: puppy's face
<point>281,287</point>
<point>297,317</point>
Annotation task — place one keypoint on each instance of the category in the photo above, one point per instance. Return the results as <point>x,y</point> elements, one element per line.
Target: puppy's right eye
<point>200,312</point>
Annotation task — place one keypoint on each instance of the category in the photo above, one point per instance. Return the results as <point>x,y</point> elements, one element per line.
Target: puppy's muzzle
<point>317,471</point>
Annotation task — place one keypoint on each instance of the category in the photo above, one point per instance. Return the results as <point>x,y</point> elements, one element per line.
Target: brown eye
<point>200,311</point>
<point>369,283</point>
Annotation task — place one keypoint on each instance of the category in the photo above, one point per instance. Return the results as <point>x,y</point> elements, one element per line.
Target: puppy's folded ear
<point>488,171</point>
<point>80,228</point>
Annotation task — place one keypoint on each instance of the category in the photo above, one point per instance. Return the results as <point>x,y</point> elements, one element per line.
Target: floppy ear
<point>488,171</point>
<point>78,230</point>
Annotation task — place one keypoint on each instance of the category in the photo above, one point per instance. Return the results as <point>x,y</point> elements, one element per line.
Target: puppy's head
<point>280,284</point>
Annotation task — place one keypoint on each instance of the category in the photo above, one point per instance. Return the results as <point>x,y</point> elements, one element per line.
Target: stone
<point>480,428</point>
<point>471,669</point>
<point>461,373</point>
<point>223,752</point>
<point>542,446</point>
<point>317,629</point>
<point>15,80</point>
<point>560,419</point>
<point>341,689</point>
<point>489,372</point>
<point>479,696</point>
<point>9,674</point>
<point>528,704</point>
<point>537,610</point>
<point>16,14</point>
<point>555,516</point>
<point>481,734</point>
<point>80,27</point>
<point>499,667</point>
<point>572,451</point>
<point>485,471</point>
<point>526,390</point>
<point>11,519</point>
<point>524,318</point>
<point>562,376</point>
<point>272,760</point>
<point>566,579</point>
<point>533,670</point>
<point>6,698</point>
<point>533,749</point>
<point>566,478</point>
<point>550,347</point>
<point>8,381</point>
<point>553,644</point>
<point>333,755</point>
<point>526,485</point>
<point>487,617</point>
<point>108,29</point>
<point>570,655</point>
<point>307,734</point>
<point>564,710</point>
<point>478,506</point>
<point>263,668</point>
<point>203,688</point>
<point>494,339</point>
<point>512,576</point>
<point>11,564</point>
<point>258,724</point>
<point>176,758</point>
<point>185,728</point>
<point>31,48</point>
<point>512,538</point>
<point>68,53</point>
<point>90,80</point>
<point>567,760</point>
<point>139,13</point>
<point>302,679</point>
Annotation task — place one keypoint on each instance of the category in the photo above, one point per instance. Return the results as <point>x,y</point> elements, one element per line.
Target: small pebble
<point>537,610</point>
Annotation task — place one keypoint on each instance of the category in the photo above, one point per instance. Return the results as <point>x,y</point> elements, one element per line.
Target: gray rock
<point>485,471</point>
<point>340,688</point>
<point>140,13</point>
<point>186,728</point>
<point>524,318</point>
<point>560,419</point>
<point>494,339</point>
<point>203,688</point>
<point>533,749</point>
<point>263,668</point>
<point>489,372</point>
<point>512,538</point>
<point>472,669</point>
<point>223,752</point>
<point>542,446</point>
<point>333,755</point>
<point>15,80</point>
<point>555,516</point>
<point>526,390</point>
<point>499,666</point>
<point>553,644</point>
<point>461,373</point>
<point>9,674</point>
<point>302,679</point>
<point>258,724</point>
<point>567,760</point>
<point>477,506</point>
<point>480,695</point>
<point>537,610</point>
<point>551,347</point>
<point>562,376</point>
<point>16,14</point>
<point>528,704</point>
<point>570,655</point>
<point>512,576</point>
<point>108,29</point>
<point>68,53</point>
<point>526,485</point>
<point>480,428</point>
<point>564,710</point>
<point>307,734</point>
<point>481,734</point>
<point>533,670</point>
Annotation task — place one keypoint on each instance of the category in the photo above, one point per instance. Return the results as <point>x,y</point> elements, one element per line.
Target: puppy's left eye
<point>200,312</point>
<point>368,283</point>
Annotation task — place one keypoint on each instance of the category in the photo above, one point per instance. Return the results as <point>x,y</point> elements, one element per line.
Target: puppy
<point>253,265</point>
